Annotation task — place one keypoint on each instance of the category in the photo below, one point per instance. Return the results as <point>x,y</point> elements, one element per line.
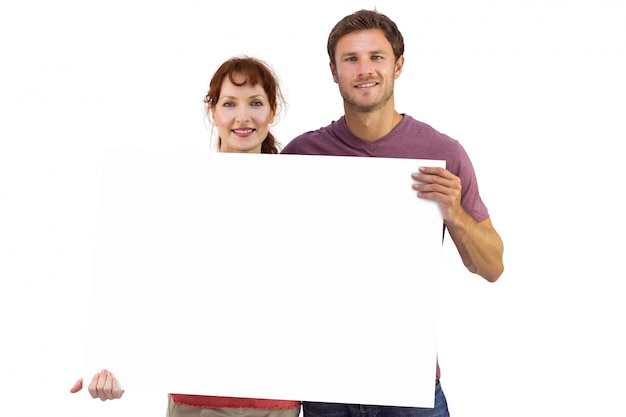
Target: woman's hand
<point>103,385</point>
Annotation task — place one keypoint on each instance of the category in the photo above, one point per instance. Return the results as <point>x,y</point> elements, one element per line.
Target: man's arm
<point>479,245</point>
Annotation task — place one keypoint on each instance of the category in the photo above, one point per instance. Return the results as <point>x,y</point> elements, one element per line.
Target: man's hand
<point>439,184</point>
<point>479,244</point>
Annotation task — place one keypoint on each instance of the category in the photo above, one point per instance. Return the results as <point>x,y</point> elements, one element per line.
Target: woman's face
<point>242,115</point>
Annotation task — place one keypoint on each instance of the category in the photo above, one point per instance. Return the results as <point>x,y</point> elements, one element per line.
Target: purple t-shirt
<point>409,139</point>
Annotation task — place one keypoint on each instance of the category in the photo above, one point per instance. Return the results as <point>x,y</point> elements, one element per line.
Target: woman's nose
<point>242,114</point>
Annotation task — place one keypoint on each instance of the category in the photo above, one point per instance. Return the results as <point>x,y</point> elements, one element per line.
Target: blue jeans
<point>315,409</point>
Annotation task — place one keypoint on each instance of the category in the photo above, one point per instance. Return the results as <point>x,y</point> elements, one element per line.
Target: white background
<point>533,89</point>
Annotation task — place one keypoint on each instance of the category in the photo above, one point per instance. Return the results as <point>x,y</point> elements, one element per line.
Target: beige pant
<point>179,410</point>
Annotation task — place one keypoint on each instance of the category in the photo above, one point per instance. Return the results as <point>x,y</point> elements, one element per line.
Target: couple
<point>366,57</point>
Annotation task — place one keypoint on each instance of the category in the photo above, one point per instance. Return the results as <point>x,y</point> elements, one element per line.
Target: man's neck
<point>374,125</point>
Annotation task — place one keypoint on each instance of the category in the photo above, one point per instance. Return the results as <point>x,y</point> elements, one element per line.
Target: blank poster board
<point>267,276</point>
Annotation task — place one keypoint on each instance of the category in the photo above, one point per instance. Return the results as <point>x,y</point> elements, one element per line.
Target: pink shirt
<point>409,139</point>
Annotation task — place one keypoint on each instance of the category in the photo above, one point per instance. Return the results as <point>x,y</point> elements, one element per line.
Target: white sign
<point>266,276</point>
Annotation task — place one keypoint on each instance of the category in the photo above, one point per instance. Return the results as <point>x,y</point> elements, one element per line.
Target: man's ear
<point>399,65</point>
<point>333,71</point>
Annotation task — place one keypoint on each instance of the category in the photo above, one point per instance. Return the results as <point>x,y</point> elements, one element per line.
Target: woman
<point>244,98</point>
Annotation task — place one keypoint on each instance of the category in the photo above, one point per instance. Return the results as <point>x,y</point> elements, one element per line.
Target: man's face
<point>365,70</point>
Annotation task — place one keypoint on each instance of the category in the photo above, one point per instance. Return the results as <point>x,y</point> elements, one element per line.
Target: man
<point>366,57</point>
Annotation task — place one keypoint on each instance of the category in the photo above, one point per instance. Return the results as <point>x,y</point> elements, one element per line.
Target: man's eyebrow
<point>374,52</point>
